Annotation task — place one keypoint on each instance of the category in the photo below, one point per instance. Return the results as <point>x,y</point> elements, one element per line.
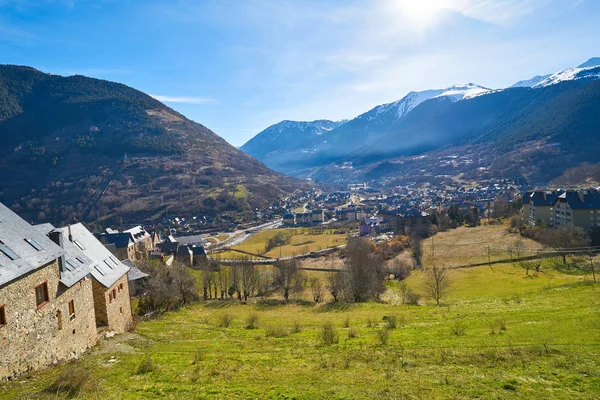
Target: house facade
<point>46,301</point>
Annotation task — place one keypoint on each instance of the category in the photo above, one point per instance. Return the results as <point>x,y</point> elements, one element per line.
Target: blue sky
<point>238,66</point>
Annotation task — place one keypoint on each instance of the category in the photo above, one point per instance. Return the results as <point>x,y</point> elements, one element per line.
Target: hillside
<point>532,131</point>
<point>282,145</point>
<point>99,150</point>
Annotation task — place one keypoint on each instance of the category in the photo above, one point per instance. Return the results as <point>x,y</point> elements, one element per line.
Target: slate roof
<point>13,232</point>
<point>134,272</point>
<point>545,199</point>
<point>77,264</point>
<point>119,239</point>
<point>137,233</point>
<point>591,200</point>
<point>106,268</point>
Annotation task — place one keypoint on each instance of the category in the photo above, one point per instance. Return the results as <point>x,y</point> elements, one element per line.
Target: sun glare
<point>420,13</point>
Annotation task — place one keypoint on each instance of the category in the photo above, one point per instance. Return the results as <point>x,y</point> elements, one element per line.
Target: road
<point>234,238</point>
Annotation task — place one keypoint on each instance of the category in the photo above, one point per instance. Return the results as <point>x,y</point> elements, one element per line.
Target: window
<point>8,252</point>
<point>59,319</point>
<point>78,244</point>
<point>80,260</point>
<point>41,294</point>
<point>71,310</point>
<point>99,270</point>
<point>110,297</point>
<point>114,259</point>
<point>114,293</point>
<point>108,264</point>
<point>34,244</point>
<point>120,287</point>
<point>71,266</point>
<point>2,316</point>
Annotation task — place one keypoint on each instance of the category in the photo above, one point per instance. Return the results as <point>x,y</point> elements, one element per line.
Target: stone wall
<point>31,338</point>
<point>113,313</point>
<point>119,310</point>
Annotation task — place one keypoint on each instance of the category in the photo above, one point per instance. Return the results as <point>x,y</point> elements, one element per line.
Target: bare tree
<point>365,270</point>
<point>399,268</point>
<point>529,265</point>
<point>417,249</point>
<point>184,283</point>
<point>565,240</point>
<point>336,284</point>
<point>437,283</point>
<point>287,276</point>
<point>248,280</point>
<point>224,279</point>
<point>317,290</point>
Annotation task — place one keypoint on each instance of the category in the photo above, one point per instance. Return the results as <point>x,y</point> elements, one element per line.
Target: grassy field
<point>464,246</point>
<point>498,334</point>
<point>302,242</point>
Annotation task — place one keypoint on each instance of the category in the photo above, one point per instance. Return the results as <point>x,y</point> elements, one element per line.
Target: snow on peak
<point>530,82</point>
<point>570,74</point>
<point>463,91</point>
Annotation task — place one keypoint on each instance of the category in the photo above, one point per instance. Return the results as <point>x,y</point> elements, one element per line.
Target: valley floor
<point>498,334</point>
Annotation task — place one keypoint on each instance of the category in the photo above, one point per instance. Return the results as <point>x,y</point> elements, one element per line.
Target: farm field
<point>498,334</point>
<point>302,241</point>
<point>464,246</point>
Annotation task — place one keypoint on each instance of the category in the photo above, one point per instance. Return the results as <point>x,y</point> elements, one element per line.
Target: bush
<point>147,365</point>
<point>198,357</point>
<point>347,323</point>
<point>297,327</point>
<point>497,326</point>
<point>328,334</point>
<point>225,320</point>
<point>251,321</point>
<point>276,331</point>
<point>383,334</point>
<point>458,328</point>
<point>392,321</point>
<point>70,382</point>
<point>352,333</point>
<point>412,298</point>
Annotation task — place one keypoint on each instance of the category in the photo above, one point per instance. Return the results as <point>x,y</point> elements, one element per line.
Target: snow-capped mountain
<point>421,121</point>
<point>286,139</point>
<point>463,91</point>
<point>531,82</point>
<point>570,74</point>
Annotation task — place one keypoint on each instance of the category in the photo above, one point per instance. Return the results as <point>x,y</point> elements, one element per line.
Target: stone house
<point>133,244</point>
<point>110,283</point>
<point>46,300</point>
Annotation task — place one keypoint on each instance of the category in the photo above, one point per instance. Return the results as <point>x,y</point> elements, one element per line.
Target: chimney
<point>57,237</point>
<point>70,236</point>
<point>581,194</point>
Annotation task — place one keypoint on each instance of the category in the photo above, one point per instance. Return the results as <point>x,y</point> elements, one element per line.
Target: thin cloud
<point>184,100</point>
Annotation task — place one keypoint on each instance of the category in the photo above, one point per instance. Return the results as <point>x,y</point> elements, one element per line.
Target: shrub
<point>352,333</point>
<point>383,334</point>
<point>276,331</point>
<point>147,365</point>
<point>392,321</point>
<point>347,323</point>
<point>498,325</point>
<point>225,320</point>
<point>198,356</point>
<point>251,321</point>
<point>328,334</point>
<point>458,328</point>
<point>70,382</point>
<point>297,327</point>
<point>412,298</point>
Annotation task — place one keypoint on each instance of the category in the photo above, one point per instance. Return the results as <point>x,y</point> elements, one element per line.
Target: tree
<point>316,287</point>
<point>417,250</point>
<point>399,268</point>
<point>437,283</point>
<point>248,280</point>
<point>336,284</point>
<point>565,240</point>
<point>288,276</point>
<point>365,270</point>
<point>529,265</point>
<point>184,283</point>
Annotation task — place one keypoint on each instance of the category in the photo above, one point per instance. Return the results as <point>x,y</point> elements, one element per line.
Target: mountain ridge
<point>98,150</point>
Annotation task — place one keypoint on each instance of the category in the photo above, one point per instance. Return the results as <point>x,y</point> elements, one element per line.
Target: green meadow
<point>497,335</point>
